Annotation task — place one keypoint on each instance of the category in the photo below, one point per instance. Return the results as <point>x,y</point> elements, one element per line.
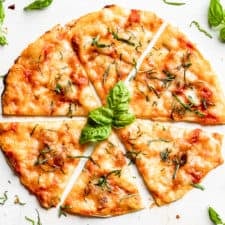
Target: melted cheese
<point>175,67</point>
<point>136,27</point>
<point>48,79</point>
<point>38,153</point>
<point>118,196</point>
<point>200,151</point>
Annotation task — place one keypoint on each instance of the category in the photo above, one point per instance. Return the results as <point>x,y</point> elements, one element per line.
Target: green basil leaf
<point>121,108</point>
<point>118,95</point>
<point>222,34</point>
<point>94,133</point>
<point>123,120</point>
<point>3,40</point>
<point>215,13</point>
<point>214,216</point>
<point>101,116</point>
<point>2,12</point>
<point>38,4</point>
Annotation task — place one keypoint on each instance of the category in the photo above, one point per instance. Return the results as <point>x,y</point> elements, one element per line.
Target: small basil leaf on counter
<point>214,216</point>
<point>38,4</point>
<point>3,40</point>
<point>101,116</point>
<point>2,12</point>
<point>123,120</point>
<point>215,13</point>
<point>222,34</point>
<point>94,133</point>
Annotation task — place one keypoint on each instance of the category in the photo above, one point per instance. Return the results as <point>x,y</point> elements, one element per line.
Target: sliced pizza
<point>109,43</point>
<point>171,160</point>
<point>105,186</point>
<point>40,154</point>
<point>48,80</point>
<point>175,83</point>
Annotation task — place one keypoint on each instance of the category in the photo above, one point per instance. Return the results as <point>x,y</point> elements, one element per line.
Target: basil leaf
<point>38,4</point>
<point>2,12</point>
<point>123,120</point>
<point>215,13</point>
<point>94,133</point>
<point>3,40</point>
<point>121,108</point>
<point>222,34</point>
<point>101,116</point>
<point>118,95</point>
<point>214,216</point>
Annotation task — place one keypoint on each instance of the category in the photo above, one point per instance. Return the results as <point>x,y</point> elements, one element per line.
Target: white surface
<point>24,28</point>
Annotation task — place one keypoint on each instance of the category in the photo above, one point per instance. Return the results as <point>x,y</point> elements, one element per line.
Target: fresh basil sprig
<point>216,17</point>
<point>38,4</point>
<point>3,40</point>
<point>214,217</point>
<point>114,114</point>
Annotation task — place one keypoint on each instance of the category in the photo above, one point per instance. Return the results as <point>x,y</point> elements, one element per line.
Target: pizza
<point>175,83</point>
<point>70,70</point>
<point>105,187</point>
<point>109,43</point>
<point>171,159</point>
<point>48,80</point>
<point>40,154</point>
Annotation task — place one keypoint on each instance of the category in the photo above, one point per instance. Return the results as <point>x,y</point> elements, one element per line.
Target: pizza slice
<point>40,154</point>
<point>109,43</point>
<point>171,160</point>
<point>48,80</point>
<point>105,186</point>
<point>175,83</point>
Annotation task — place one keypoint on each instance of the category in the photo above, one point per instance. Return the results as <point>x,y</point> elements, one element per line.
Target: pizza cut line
<point>55,76</point>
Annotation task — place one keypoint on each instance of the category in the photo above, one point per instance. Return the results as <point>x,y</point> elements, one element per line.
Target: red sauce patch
<point>206,93</point>
<point>194,137</point>
<point>196,177</point>
<point>79,80</point>
<point>134,16</point>
<point>210,118</point>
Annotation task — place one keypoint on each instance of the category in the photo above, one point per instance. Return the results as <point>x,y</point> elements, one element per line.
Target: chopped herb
<point>174,3</point>
<point>106,74</point>
<point>200,29</point>
<point>103,180</point>
<point>186,64</point>
<point>126,41</point>
<point>4,198</point>
<point>30,220</point>
<point>33,221</point>
<point>38,4</point>
<point>17,201</point>
<point>33,130</point>
<point>138,46</point>
<point>132,156</point>
<point>179,162</point>
<point>151,88</point>
<point>188,107</point>
<point>158,140</point>
<point>61,211</point>
<point>58,89</point>
<point>82,157</point>
<point>154,104</point>
<point>215,217</point>
<point>165,155</point>
<point>198,186</point>
<point>95,42</point>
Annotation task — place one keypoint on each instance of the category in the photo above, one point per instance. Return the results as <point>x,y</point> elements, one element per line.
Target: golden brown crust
<point>38,153</point>
<point>171,159</point>
<point>48,79</point>
<point>176,83</point>
<point>109,43</point>
<point>105,186</point>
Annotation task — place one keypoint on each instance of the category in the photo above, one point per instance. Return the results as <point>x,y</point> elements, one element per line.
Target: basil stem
<point>174,3</point>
